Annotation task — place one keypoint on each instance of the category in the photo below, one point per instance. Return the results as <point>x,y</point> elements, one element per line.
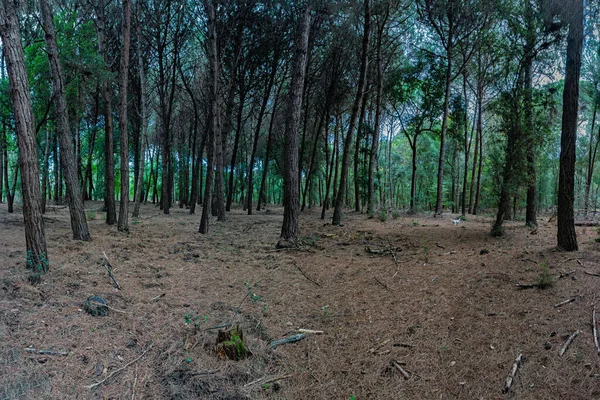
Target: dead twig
<point>110,274</point>
<point>563,274</point>
<point>311,331</point>
<point>513,373</point>
<point>277,378</point>
<point>380,345</point>
<point>306,276</point>
<point>569,341</point>
<point>397,365</point>
<point>158,297</point>
<point>290,339</point>
<point>595,330</point>
<point>592,273</point>
<point>46,352</point>
<point>527,285</point>
<point>381,283</point>
<point>116,371</point>
<point>562,303</point>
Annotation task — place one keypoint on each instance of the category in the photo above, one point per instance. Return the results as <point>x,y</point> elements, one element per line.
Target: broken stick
<point>306,276</point>
<point>569,341</point>
<point>595,330</point>
<point>562,303</point>
<point>46,352</point>
<point>513,373</point>
<point>310,331</point>
<point>592,273</point>
<point>110,274</point>
<point>116,371</point>
<point>289,339</point>
<point>399,368</point>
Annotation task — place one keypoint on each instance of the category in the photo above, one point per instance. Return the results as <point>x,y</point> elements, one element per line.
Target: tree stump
<point>230,344</point>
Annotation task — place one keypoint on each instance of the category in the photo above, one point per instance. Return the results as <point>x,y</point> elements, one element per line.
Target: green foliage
<point>396,214</point>
<point>426,250</point>
<point>37,268</point>
<point>382,215</point>
<point>91,215</point>
<point>545,280</point>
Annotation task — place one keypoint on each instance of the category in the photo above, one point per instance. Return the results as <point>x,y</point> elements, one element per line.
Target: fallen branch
<point>311,331</point>
<point>569,341</point>
<point>563,274</point>
<point>46,352</point>
<point>399,368</point>
<point>278,378</point>
<point>528,259</point>
<point>381,283</point>
<point>110,274</point>
<point>306,276</point>
<point>513,373</point>
<point>290,339</point>
<point>158,297</point>
<point>380,345</point>
<point>562,303</point>
<point>116,371</point>
<point>592,273</point>
<point>527,285</point>
<point>595,330</point>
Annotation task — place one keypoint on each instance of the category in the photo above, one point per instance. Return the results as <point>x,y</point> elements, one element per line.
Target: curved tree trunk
<point>67,156</point>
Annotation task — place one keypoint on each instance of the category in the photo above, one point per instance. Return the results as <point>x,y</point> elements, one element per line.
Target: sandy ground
<point>415,291</point>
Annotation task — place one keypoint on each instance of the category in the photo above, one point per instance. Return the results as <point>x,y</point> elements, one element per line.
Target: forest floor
<point>415,291</point>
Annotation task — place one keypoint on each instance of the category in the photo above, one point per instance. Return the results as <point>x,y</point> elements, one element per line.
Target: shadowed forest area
<point>313,199</point>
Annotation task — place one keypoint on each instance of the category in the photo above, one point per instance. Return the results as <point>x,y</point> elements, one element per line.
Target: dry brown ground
<point>452,316</point>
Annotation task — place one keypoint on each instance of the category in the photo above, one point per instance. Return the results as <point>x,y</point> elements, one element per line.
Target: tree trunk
<point>214,141</point>
<point>67,157</point>
<point>139,184</point>
<point>123,223</point>
<point>109,173</point>
<point>567,238</point>
<point>35,238</point>
<point>337,213</point>
<point>236,144</point>
<point>44,172</point>
<point>261,114</point>
<point>261,192</point>
<point>479,169</point>
<point>289,228</point>
<point>442,158</point>
<point>476,150</point>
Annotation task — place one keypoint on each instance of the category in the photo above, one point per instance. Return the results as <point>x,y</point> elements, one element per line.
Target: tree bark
<point>567,237</point>
<point>35,238</point>
<point>139,184</point>
<point>337,213</point>
<point>79,225</point>
<point>291,190</point>
<point>123,223</point>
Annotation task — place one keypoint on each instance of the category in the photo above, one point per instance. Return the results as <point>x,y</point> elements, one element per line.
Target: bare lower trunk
<point>67,157</point>
<point>123,223</point>
<point>337,213</point>
<point>289,228</point>
<point>567,238</point>
<point>35,238</point>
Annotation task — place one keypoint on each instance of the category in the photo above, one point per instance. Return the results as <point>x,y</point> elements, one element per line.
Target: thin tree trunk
<point>476,150</point>
<point>123,223</point>
<point>44,172</point>
<point>75,200</point>
<point>139,192</point>
<point>35,238</point>
<point>442,158</point>
<point>289,228</point>
<point>261,192</point>
<point>236,144</point>
<point>337,214</point>
<point>567,237</point>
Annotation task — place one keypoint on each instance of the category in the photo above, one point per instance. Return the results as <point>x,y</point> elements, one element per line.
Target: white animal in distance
<point>455,221</point>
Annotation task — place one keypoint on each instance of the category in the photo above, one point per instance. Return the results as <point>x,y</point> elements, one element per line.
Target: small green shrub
<point>545,280</point>
<point>91,215</point>
<point>396,214</point>
<point>382,215</point>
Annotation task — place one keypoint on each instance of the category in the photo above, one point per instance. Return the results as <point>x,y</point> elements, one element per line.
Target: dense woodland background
<point>374,105</point>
